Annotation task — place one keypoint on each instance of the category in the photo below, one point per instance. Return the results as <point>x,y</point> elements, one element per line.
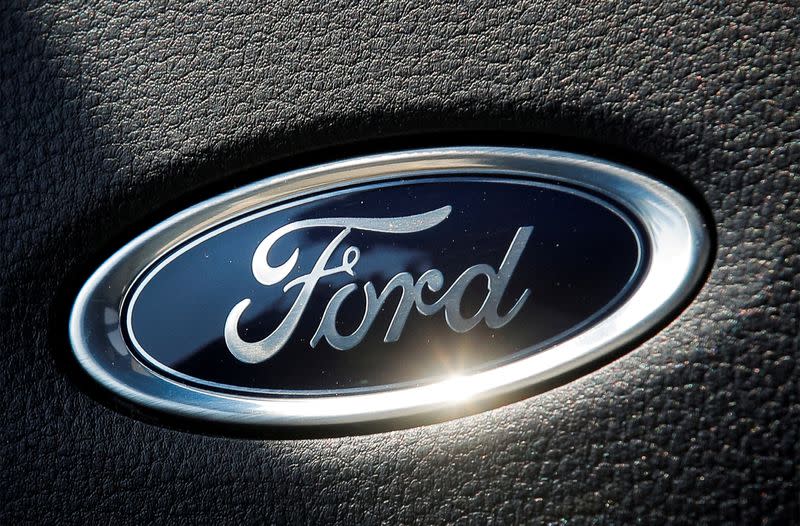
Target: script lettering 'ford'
<point>450,301</point>
<point>388,286</point>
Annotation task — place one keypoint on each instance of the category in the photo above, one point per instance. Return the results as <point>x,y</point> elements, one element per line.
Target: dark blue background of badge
<point>580,257</point>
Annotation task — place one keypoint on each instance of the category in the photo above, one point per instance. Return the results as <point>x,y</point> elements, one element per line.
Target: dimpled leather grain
<point>112,112</point>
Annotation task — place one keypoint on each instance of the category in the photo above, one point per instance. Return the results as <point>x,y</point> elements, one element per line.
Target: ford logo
<point>387,286</point>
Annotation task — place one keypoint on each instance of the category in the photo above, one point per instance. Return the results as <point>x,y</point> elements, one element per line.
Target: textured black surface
<point>110,112</point>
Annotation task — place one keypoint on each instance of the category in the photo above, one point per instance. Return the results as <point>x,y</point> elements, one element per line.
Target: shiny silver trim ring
<point>675,233</point>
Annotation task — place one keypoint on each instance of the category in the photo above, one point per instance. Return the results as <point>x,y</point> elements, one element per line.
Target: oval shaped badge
<point>387,286</point>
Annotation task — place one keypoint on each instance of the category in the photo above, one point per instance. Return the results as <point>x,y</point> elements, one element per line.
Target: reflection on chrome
<point>433,280</point>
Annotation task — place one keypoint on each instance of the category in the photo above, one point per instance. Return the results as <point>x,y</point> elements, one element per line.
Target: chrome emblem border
<point>675,231</point>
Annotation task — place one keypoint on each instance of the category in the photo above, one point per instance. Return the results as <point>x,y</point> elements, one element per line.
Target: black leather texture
<point>115,115</point>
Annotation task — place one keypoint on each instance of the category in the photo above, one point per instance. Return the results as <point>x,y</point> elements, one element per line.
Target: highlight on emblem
<point>388,286</point>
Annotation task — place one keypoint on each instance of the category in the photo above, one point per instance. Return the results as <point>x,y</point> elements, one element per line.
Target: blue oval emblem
<point>387,286</point>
